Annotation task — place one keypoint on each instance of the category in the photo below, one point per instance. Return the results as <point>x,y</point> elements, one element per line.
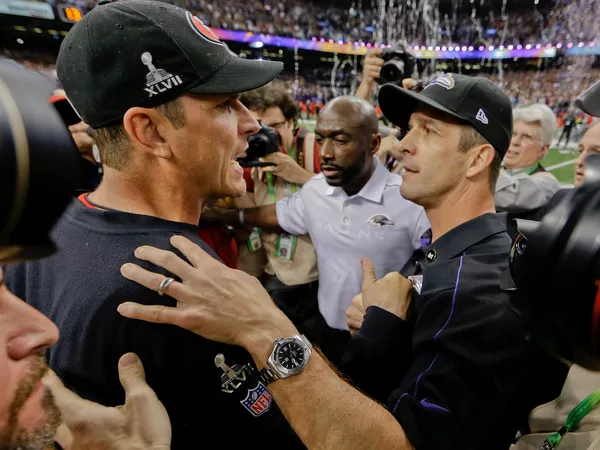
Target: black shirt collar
<point>119,221</point>
<point>459,239</point>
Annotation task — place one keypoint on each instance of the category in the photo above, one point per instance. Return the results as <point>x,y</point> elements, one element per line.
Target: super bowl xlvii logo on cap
<point>380,220</point>
<point>482,117</point>
<point>445,80</point>
<point>158,80</point>
<point>202,30</point>
<point>258,401</point>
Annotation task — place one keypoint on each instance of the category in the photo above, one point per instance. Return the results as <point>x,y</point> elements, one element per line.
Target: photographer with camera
<point>388,66</point>
<point>285,164</point>
<point>168,142</point>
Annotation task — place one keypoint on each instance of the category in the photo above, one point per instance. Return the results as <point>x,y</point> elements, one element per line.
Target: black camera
<point>261,144</point>
<point>399,64</point>
<point>555,264</point>
<point>39,164</point>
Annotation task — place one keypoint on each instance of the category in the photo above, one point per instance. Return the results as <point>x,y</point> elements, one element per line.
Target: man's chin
<point>334,181</point>
<point>234,190</point>
<point>42,419</point>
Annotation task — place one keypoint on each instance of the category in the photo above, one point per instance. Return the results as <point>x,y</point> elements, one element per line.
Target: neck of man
<point>530,167</point>
<point>359,182</point>
<point>147,195</point>
<point>457,208</point>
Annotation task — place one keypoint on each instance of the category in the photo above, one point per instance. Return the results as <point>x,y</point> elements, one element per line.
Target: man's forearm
<point>264,217</point>
<point>328,413</point>
<point>305,177</point>
<point>365,90</point>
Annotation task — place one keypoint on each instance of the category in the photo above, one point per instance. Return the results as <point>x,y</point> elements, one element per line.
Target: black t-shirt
<point>79,289</point>
<point>460,373</point>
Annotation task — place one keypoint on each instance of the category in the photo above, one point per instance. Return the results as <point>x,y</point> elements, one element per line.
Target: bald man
<point>350,210</point>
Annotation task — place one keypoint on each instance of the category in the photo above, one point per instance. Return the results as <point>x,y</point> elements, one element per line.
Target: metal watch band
<point>267,376</point>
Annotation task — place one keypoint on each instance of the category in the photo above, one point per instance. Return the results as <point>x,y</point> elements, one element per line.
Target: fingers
<point>151,313</point>
<point>374,53</point>
<point>194,253</point>
<point>150,280</point>
<point>408,83</point>
<point>64,437</point>
<point>72,407</point>
<point>368,270</point>
<point>372,72</point>
<point>81,126</point>
<point>375,62</point>
<point>271,169</point>
<point>165,259</point>
<point>131,372</point>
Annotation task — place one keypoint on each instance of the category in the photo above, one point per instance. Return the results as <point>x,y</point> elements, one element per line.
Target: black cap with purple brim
<point>474,100</point>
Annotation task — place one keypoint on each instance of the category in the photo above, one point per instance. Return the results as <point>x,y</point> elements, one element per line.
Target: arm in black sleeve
<point>379,354</point>
<point>466,373</point>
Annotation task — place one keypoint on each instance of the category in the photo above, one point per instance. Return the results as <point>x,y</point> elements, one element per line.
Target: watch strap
<point>267,376</point>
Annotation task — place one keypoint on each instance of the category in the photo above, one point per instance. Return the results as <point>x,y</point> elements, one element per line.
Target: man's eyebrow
<point>423,120</point>
<point>332,133</point>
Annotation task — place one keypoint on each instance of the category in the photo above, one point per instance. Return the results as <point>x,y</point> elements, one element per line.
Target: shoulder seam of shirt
<point>313,180</point>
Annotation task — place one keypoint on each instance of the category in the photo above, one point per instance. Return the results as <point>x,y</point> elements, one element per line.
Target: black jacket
<point>460,373</point>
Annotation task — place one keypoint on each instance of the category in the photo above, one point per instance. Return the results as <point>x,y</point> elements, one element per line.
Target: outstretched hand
<point>141,423</point>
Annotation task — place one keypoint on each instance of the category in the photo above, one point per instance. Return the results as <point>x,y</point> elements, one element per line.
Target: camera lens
<point>392,71</point>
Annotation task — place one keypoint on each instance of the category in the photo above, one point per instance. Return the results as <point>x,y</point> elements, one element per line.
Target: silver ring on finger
<point>164,284</point>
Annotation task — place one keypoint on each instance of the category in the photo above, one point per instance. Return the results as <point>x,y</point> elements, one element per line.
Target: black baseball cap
<point>474,100</point>
<point>589,101</point>
<point>147,53</point>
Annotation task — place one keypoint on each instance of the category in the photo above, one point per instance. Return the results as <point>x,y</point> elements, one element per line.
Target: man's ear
<point>147,131</point>
<point>545,149</point>
<point>481,157</point>
<point>375,143</point>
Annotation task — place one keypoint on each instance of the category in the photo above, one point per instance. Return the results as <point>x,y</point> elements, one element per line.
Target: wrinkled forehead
<point>425,115</point>
<point>533,128</point>
<point>336,123</point>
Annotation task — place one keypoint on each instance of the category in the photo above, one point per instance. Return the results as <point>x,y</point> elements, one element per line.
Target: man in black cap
<point>451,362</point>
<point>161,93</point>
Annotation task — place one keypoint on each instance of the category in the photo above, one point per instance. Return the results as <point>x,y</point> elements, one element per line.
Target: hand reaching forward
<point>142,423</point>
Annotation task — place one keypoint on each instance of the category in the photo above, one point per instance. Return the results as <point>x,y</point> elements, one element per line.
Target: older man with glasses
<point>524,186</point>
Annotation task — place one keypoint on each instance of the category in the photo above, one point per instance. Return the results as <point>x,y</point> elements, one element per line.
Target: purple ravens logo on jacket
<point>380,220</point>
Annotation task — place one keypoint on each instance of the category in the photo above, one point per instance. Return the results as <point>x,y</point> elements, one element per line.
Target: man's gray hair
<point>538,112</point>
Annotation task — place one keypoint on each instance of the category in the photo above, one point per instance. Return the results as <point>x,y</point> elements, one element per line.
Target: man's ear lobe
<point>146,131</point>
<point>481,157</point>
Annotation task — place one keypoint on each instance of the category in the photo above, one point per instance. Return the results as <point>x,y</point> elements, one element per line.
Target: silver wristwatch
<point>289,357</point>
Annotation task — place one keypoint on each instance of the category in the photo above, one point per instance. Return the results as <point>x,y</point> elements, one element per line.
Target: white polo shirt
<point>377,222</point>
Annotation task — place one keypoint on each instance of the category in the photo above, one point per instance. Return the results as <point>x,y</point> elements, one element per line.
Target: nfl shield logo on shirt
<point>258,401</point>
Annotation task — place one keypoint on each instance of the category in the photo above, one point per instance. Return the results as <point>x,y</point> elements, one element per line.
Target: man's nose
<point>33,332</point>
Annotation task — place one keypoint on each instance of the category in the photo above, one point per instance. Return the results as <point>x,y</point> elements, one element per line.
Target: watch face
<point>290,355</point>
